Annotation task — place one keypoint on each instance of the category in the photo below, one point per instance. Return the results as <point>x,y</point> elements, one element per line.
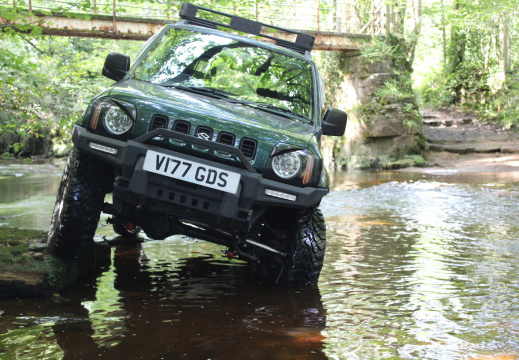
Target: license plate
<point>191,171</point>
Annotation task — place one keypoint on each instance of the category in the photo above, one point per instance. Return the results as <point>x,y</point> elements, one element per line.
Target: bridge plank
<point>129,28</point>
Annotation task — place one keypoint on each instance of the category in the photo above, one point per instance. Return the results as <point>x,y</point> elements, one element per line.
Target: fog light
<point>280,195</point>
<point>103,148</point>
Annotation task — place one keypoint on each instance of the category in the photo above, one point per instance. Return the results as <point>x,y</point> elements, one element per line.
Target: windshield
<point>183,58</point>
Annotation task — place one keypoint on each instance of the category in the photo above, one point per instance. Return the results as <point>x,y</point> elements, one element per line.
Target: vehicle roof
<point>264,44</point>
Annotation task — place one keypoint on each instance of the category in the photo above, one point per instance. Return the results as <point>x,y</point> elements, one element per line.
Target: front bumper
<point>137,187</point>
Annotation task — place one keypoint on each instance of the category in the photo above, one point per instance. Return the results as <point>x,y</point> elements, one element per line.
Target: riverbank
<point>459,143</point>
<point>443,162</point>
<point>23,262</point>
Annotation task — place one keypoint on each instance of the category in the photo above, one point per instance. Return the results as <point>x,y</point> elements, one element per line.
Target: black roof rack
<point>302,43</point>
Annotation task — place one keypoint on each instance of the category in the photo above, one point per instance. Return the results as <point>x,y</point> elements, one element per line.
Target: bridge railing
<point>321,16</point>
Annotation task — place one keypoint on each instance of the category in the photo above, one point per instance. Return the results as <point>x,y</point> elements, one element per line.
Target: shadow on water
<point>168,308</point>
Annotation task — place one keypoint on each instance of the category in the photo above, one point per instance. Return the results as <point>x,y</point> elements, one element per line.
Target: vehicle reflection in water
<point>151,304</point>
<point>418,266</point>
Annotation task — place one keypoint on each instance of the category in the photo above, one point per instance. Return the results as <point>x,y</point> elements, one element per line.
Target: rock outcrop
<point>384,123</point>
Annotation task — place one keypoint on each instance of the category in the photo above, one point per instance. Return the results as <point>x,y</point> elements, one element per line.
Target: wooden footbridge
<point>337,25</point>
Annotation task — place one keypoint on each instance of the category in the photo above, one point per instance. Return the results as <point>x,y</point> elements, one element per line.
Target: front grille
<point>182,126</point>
<point>248,147</point>
<point>226,138</point>
<point>159,122</point>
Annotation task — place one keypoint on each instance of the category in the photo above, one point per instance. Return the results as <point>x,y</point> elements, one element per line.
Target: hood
<point>267,128</point>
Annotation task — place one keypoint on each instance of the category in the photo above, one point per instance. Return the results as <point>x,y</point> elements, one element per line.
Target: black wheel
<point>304,262</point>
<point>78,206</point>
<point>301,236</point>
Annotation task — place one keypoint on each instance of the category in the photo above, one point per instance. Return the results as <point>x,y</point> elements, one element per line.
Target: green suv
<point>211,134</point>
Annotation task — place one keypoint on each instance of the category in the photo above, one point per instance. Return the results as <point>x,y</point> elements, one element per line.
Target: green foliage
<point>331,65</point>
<point>469,69</point>
<point>377,50</point>
<point>391,88</point>
<point>14,244</point>
<point>411,121</point>
<point>393,48</point>
<point>45,83</point>
<point>435,91</point>
<point>397,90</point>
<point>6,156</point>
<point>440,89</point>
<point>502,104</point>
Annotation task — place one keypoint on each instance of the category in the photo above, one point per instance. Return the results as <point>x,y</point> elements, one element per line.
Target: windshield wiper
<point>220,94</point>
<point>264,106</point>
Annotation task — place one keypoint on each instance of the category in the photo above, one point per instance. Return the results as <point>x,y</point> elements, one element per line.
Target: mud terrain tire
<point>78,207</point>
<point>304,261</point>
<point>302,235</point>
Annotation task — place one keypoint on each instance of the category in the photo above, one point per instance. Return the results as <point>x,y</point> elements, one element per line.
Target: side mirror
<point>334,122</point>
<point>116,66</point>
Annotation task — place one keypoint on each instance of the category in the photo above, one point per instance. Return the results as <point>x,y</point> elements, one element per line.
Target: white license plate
<point>192,172</point>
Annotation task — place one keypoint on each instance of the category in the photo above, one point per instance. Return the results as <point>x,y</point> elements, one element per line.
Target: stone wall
<point>382,127</point>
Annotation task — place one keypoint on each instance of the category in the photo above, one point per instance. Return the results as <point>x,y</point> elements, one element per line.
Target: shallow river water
<point>418,266</point>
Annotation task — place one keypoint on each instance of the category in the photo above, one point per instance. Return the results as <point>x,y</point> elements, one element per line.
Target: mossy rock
<point>409,161</point>
<point>26,269</point>
<point>386,162</point>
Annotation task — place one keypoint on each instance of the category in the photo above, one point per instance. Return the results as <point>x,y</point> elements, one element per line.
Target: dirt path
<point>458,142</point>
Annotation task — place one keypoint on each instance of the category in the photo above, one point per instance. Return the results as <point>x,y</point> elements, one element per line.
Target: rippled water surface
<point>417,267</point>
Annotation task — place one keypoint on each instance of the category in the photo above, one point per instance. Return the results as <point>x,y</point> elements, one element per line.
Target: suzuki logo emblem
<point>203,135</point>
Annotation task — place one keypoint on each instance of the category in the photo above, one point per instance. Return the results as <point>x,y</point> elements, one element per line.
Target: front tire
<point>304,262</point>
<point>301,235</point>
<point>78,207</point>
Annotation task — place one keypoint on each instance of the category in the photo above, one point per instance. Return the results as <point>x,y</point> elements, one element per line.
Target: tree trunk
<point>457,54</point>
<point>444,35</point>
<point>505,46</point>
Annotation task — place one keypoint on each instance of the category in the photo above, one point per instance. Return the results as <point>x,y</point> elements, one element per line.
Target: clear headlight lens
<point>287,165</point>
<point>116,121</point>
<point>293,165</point>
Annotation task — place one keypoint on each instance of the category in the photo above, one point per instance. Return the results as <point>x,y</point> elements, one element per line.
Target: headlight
<point>117,117</point>
<point>116,121</point>
<point>293,165</point>
<point>287,165</point>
